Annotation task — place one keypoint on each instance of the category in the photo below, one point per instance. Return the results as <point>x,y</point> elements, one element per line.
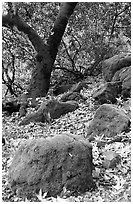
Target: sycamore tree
<point>32,33</point>
<point>46,50</point>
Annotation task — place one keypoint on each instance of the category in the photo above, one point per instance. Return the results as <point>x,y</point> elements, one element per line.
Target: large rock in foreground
<point>109,121</point>
<point>51,164</point>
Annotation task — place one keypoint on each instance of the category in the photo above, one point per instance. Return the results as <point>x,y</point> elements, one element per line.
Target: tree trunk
<point>46,53</point>
<point>40,80</point>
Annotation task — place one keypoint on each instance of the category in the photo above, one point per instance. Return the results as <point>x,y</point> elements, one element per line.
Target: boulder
<point>70,96</point>
<point>74,93</point>
<point>61,89</point>
<point>37,116</point>
<point>112,65</point>
<point>72,87</point>
<point>107,92</point>
<point>108,121</point>
<point>61,108</point>
<point>124,76</point>
<point>53,109</point>
<point>51,164</point>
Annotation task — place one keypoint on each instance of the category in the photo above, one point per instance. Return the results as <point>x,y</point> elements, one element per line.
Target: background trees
<point>95,32</point>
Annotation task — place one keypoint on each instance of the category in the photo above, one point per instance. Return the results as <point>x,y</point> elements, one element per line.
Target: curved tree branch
<point>15,20</point>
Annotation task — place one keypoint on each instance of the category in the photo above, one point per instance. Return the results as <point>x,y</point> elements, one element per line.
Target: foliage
<point>17,59</point>
<point>95,32</point>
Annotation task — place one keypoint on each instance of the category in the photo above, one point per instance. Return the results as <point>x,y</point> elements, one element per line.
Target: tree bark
<point>46,53</point>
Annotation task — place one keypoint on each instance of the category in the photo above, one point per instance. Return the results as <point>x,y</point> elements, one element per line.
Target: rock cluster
<point>117,74</point>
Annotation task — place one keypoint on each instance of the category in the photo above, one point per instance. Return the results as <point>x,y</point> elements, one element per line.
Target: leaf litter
<point>112,184</point>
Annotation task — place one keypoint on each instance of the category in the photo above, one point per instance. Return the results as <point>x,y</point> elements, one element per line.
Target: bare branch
<point>72,61</point>
<point>115,18</point>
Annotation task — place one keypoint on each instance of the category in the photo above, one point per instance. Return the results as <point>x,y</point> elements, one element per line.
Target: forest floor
<point>112,185</point>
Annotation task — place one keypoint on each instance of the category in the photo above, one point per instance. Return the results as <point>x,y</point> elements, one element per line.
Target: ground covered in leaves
<point>112,184</point>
